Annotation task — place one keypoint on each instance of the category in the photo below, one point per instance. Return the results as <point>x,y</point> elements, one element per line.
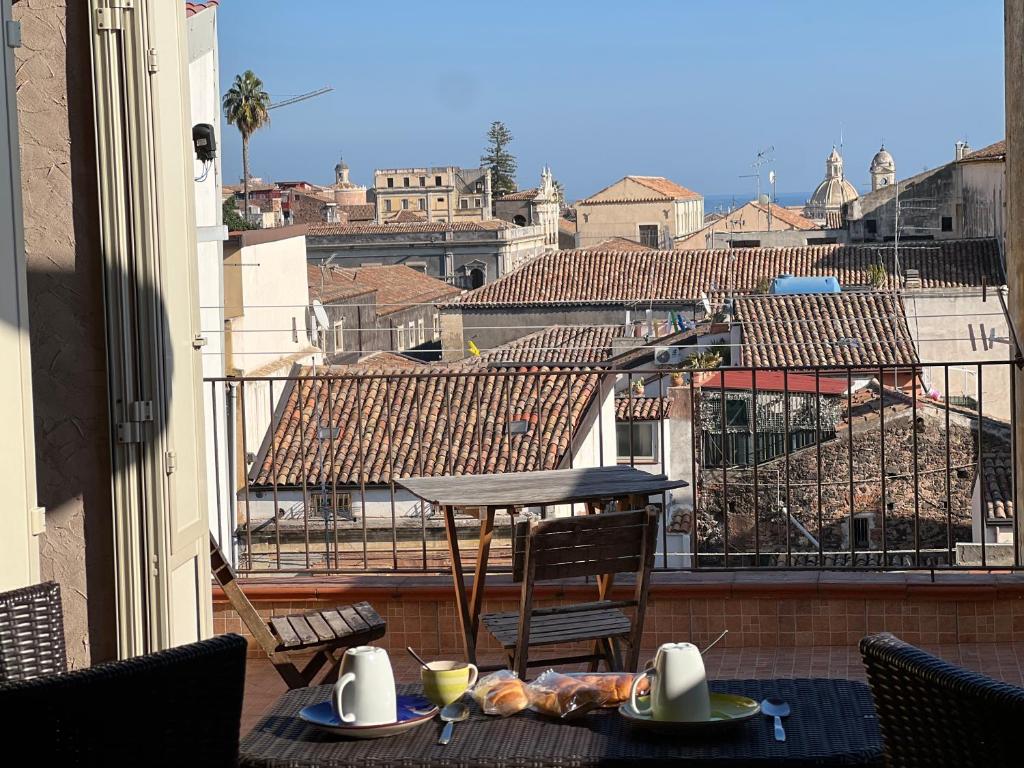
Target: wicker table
<point>833,723</point>
<point>628,487</point>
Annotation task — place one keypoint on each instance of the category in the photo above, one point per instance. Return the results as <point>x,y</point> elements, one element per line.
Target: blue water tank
<point>788,284</point>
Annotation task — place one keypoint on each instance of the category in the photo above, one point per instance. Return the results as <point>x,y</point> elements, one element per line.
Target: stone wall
<point>66,321</point>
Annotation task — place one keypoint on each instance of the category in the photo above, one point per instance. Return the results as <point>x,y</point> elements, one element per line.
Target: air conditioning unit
<point>668,355</point>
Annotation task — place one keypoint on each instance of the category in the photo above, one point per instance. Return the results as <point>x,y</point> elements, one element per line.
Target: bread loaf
<point>559,695</point>
<point>502,693</point>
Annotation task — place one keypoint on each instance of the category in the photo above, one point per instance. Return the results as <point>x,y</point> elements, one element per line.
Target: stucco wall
<point>66,318</point>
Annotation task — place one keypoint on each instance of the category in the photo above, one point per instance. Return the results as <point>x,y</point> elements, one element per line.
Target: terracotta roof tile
<point>660,188</point>
<point>567,226</point>
<point>615,277</point>
<point>856,328</point>
<point>358,213</point>
<point>407,217</point>
<point>491,225</point>
<point>398,287</point>
<point>786,216</point>
<point>997,475</point>
<point>643,408</point>
<point>522,194</point>
<point>453,420</point>
<point>330,284</point>
<point>995,151</point>
<point>191,9</point>
<point>558,344</point>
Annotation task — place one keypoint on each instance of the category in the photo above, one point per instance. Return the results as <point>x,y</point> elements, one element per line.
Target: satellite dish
<point>320,314</point>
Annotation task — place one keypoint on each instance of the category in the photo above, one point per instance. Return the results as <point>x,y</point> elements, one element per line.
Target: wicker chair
<point>180,707</point>
<point>31,633</point>
<point>935,714</point>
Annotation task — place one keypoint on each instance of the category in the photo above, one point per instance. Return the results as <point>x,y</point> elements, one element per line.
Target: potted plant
<point>701,362</point>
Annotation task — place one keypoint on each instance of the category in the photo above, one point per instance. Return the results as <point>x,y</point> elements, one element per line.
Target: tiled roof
<point>786,216</point>
<point>567,226</point>
<point>997,474</point>
<point>429,426</point>
<point>615,277</point>
<point>660,189</point>
<point>995,151</point>
<point>330,284</point>
<point>358,213</point>
<point>856,328</point>
<point>522,194</point>
<point>491,225</point>
<point>387,361</point>
<point>398,286</point>
<point>191,9</point>
<point>618,244</point>
<point>558,344</point>
<point>643,408</point>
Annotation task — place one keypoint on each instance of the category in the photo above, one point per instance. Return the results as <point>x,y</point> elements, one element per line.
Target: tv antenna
<point>289,100</point>
<point>763,157</point>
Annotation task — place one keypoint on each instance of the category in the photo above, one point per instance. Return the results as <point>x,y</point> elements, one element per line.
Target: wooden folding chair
<point>326,634</point>
<point>571,547</point>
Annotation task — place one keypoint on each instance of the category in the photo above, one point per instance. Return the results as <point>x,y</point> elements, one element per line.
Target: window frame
<point>638,456</point>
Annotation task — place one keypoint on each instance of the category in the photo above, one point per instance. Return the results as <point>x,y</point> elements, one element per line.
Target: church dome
<point>833,192</point>
<point>882,161</point>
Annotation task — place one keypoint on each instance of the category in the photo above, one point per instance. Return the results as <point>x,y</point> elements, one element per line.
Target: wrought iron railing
<point>838,467</point>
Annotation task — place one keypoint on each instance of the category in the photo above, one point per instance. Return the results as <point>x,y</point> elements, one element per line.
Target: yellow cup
<point>446,681</point>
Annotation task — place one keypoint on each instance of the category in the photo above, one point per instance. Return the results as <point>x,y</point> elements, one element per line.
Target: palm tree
<point>246,106</point>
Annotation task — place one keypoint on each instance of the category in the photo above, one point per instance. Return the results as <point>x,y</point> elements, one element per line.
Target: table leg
<point>476,602</point>
<point>459,579</point>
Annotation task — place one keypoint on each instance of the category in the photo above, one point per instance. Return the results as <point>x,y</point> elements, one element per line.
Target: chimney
<point>961,148</point>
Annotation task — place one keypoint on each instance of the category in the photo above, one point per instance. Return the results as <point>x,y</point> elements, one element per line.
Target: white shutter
<point>147,226</point>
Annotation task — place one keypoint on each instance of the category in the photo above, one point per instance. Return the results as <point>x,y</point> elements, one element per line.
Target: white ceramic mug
<point>365,691</point>
<point>679,685</point>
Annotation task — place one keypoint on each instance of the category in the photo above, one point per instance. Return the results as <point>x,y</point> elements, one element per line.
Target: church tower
<point>883,170</point>
<point>341,173</point>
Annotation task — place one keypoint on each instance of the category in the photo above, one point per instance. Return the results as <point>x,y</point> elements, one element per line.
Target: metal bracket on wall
<point>111,19</point>
<point>12,32</point>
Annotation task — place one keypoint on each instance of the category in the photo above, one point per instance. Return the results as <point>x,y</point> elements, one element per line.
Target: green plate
<point>726,709</point>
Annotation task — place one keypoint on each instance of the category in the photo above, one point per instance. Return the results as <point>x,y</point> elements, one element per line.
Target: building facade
<point>465,254</point>
<point>648,209</point>
<point>537,206</point>
<point>446,194</point>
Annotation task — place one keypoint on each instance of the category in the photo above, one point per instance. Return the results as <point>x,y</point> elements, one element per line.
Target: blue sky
<point>689,89</point>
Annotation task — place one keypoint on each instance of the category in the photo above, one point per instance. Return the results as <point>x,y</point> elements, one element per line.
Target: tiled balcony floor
<point>1003,661</point>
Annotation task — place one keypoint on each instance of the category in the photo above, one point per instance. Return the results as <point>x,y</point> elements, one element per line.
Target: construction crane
<point>302,97</point>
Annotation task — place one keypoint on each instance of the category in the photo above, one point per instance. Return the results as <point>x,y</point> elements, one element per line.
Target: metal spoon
<point>715,642</point>
<point>778,709</point>
<point>454,713</point>
<point>416,656</point>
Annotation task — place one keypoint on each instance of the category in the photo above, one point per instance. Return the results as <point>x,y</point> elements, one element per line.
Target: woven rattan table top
<point>833,723</point>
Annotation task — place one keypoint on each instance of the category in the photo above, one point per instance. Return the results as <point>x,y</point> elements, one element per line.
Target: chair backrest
<point>591,545</point>
<point>225,576</point>
<point>32,633</point>
<point>934,713</point>
<point>177,707</point>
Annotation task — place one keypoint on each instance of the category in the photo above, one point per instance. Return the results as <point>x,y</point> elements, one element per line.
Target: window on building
<point>464,203</point>
<point>644,446</point>
<point>423,203</point>
<point>735,413</point>
<point>479,186</point>
<point>400,337</point>
<point>745,243</point>
<point>421,335</point>
<point>405,181</point>
<point>861,533</point>
<point>440,200</point>
<point>410,336</point>
<point>405,204</point>
<point>479,203</point>
<point>330,505</point>
<point>437,327</point>
<point>339,336</point>
<point>649,235</point>
<point>387,205</point>
<point>391,181</point>
<point>947,223</point>
<point>419,266</point>
<point>871,226</point>
<point>437,181</point>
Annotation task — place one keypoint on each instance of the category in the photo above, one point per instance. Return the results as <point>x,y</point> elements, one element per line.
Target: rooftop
<point>857,328</point>
<point>628,277</point>
<point>522,194</point>
<point>653,188</point>
<point>619,244</point>
<point>995,151</point>
<point>398,287</point>
<point>491,225</point>
<point>329,284</point>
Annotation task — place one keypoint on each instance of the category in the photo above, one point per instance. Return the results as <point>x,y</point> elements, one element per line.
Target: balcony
<point>823,504</point>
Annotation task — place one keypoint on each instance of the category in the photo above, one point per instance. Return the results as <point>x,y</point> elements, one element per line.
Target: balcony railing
<point>835,467</point>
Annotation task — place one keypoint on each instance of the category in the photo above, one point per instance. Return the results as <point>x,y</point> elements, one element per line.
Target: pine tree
<point>501,162</point>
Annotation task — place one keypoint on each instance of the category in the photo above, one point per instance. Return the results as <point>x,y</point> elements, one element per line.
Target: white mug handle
<point>339,686</point>
<point>632,692</point>
<point>474,673</point>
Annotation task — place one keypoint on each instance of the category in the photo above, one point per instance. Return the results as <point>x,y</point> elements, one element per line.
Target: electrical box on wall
<point>205,142</point>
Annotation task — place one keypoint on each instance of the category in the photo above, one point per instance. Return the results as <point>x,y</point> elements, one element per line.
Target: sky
<point>688,89</point>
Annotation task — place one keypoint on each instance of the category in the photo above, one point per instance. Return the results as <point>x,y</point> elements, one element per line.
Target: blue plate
<point>412,711</point>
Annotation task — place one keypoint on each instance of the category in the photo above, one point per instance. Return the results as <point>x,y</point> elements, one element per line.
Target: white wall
<point>959,326</point>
